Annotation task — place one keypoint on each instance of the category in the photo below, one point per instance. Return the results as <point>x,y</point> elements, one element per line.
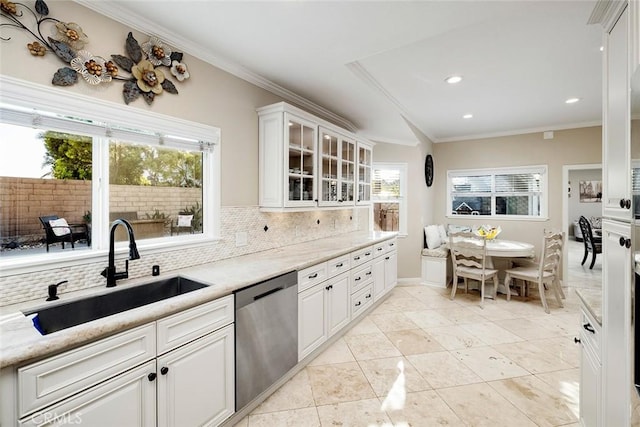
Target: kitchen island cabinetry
<point>165,373</point>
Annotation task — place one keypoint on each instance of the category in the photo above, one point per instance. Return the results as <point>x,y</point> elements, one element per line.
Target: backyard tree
<point>68,155</point>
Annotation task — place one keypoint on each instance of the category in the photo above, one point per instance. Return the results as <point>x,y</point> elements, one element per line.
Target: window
<point>77,166</point>
<point>388,195</point>
<point>518,192</point>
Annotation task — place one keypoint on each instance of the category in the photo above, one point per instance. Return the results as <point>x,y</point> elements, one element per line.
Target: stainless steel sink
<point>66,315</point>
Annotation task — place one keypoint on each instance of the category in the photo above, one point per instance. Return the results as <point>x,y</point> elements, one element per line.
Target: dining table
<point>500,253</point>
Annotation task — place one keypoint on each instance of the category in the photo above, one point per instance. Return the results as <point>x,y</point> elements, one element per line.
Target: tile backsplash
<point>264,230</point>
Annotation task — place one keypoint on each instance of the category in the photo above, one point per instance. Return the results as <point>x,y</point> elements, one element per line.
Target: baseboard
<point>410,281</point>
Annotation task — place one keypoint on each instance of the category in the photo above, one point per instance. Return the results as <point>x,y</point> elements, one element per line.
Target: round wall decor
<point>428,170</point>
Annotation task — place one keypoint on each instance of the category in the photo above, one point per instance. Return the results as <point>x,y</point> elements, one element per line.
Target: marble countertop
<point>20,342</point>
<point>592,300</point>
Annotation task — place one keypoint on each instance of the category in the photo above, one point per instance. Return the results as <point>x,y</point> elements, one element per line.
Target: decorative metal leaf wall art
<point>147,65</point>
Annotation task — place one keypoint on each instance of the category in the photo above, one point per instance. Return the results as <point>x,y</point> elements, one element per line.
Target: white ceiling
<point>380,64</point>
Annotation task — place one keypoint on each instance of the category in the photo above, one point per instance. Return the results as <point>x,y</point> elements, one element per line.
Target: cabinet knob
<point>625,242</point>
<point>164,370</point>
<point>625,203</point>
<point>152,376</point>
<point>576,340</point>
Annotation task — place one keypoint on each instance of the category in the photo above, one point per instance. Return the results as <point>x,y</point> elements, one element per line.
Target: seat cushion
<point>60,227</point>
<point>441,252</point>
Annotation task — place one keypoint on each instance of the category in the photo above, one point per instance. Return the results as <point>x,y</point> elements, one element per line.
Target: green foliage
<point>158,215</point>
<point>87,217</point>
<point>68,155</point>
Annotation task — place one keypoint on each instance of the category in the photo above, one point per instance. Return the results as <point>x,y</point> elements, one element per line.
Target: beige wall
<point>568,147</point>
<point>409,247</point>
<point>210,96</point>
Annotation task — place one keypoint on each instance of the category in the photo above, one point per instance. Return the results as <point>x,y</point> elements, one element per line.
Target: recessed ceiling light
<point>453,79</point>
<point>572,100</point>
<point>467,116</point>
<point>601,48</point>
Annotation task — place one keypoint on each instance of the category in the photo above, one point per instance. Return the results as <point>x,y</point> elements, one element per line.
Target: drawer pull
<point>576,340</point>
<point>358,303</point>
<point>392,244</point>
<point>368,296</point>
<point>357,278</point>
<point>589,328</point>
<point>340,265</point>
<point>379,249</point>
<point>387,258</point>
<point>329,287</point>
<point>368,273</point>
<point>356,258</point>
<point>313,276</point>
<point>367,254</point>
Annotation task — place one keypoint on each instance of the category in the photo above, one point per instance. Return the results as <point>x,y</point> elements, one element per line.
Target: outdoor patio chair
<point>57,230</point>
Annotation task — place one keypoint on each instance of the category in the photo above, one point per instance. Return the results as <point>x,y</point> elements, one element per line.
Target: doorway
<point>576,180</point>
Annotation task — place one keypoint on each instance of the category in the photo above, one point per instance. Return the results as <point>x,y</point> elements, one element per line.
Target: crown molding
<point>606,13</point>
<point>115,11</point>
<point>518,132</point>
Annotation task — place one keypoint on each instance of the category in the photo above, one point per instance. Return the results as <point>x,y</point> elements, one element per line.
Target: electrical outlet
<point>241,239</point>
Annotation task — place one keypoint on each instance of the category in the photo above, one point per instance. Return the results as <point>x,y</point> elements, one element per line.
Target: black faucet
<point>110,272</point>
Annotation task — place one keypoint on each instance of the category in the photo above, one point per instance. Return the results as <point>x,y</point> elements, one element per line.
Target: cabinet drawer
<point>128,400</point>
<point>48,381</point>
<point>392,244</point>
<point>361,300</point>
<point>590,333</point>
<point>361,256</point>
<point>181,328</point>
<point>312,275</point>
<point>379,249</point>
<point>361,277</point>
<point>338,265</point>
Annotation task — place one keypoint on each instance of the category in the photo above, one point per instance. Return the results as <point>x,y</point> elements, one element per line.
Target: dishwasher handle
<point>266,294</point>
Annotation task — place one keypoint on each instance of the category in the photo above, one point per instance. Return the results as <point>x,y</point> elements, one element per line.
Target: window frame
<point>492,172</point>
<point>401,200</point>
<point>113,121</point>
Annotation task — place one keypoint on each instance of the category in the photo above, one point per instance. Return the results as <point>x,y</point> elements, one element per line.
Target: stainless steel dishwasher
<point>266,334</point>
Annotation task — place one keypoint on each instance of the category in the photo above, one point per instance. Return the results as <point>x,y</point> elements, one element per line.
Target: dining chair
<point>592,243</point>
<point>545,274</point>
<point>469,257</point>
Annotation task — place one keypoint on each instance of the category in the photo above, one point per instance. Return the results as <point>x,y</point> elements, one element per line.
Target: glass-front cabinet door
<point>300,171</point>
<point>336,169</point>
<point>364,174</point>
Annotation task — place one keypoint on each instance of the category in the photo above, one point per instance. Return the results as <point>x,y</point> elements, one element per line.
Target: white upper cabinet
<point>337,169</point>
<point>616,143</point>
<point>365,161</point>
<point>306,162</point>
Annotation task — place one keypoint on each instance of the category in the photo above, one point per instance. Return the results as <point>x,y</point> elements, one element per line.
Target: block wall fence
<point>23,200</point>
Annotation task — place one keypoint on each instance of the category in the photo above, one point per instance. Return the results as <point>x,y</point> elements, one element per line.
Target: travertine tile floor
<point>420,359</point>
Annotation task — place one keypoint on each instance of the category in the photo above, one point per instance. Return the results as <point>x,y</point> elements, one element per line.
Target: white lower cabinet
<point>354,282</point>
<point>126,400</point>
<point>195,384</point>
<point>322,311</point>
<point>124,381</point>
<point>385,272</point>
<point>590,372</point>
